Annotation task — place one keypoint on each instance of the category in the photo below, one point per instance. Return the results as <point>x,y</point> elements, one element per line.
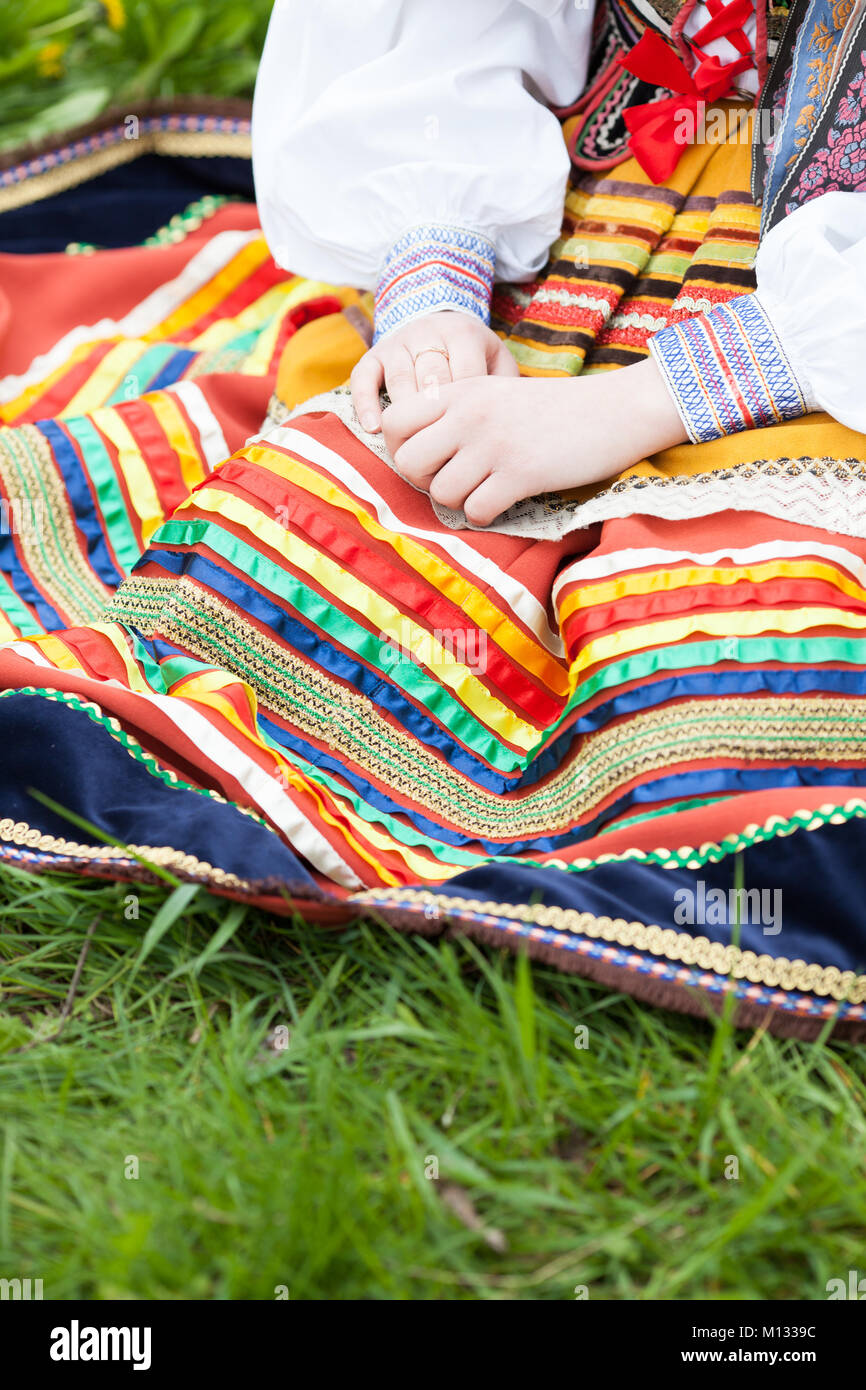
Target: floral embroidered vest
<point>810,130</point>
<point>814,141</point>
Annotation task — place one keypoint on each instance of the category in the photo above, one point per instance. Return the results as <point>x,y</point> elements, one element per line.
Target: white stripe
<point>519,599</point>
<point>625,561</point>
<point>151,311</point>
<point>263,790</point>
<point>211,438</point>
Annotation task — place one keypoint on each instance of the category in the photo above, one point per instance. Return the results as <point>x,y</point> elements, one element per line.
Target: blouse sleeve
<point>796,345</point>
<point>405,146</point>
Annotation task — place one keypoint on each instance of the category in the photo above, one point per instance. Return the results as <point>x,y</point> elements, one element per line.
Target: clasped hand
<point>466,428</point>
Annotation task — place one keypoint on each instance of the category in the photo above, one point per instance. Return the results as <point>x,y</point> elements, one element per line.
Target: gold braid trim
<point>29,837</point>
<point>782,729</point>
<point>776,972</point>
<point>49,545</point>
<point>84,167</point>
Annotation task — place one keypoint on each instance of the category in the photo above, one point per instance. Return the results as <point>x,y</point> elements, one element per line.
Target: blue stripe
<point>374,684</point>
<point>173,370</point>
<point>81,500</point>
<point>23,584</point>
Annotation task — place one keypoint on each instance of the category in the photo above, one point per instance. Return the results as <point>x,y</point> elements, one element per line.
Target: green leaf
<point>13,1033</point>
<point>230,28</point>
<point>224,933</point>
<point>180,33</point>
<point>74,109</point>
<point>524,1000</point>
<point>172,909</point>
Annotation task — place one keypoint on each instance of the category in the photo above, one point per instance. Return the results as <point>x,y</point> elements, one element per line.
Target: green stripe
<point>303,695</point>
<point>667,810</point>
<point>101,472</point>
<point>669,263</point>
<point>685,656</point>
<point>719,251</point>
<point>531,356</point>
<point>151,669</point>
<point>148,366</point>
<point>16,611</point>
<point>402,833</point>
<point>601,253</point>
<point>321,613</point>
<point>179,668</point>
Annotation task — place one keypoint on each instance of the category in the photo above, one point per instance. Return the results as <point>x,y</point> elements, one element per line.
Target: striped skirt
<point>623,729</point>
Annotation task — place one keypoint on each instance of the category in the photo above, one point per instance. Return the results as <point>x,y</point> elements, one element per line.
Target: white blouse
<point>376,117</point>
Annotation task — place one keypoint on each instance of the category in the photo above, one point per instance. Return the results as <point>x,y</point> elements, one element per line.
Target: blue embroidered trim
<point>432,267</point>
<point>728,371</point>
<point>117,135</point>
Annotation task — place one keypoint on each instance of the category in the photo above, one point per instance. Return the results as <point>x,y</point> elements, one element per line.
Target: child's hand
<point>487,443</point>
<point>428,352</point>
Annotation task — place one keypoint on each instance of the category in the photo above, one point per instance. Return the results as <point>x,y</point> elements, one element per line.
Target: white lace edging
<point>820,491</point>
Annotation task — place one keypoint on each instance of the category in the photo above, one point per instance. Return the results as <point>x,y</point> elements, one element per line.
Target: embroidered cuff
<point>727,371</point>
<point>434,267</point>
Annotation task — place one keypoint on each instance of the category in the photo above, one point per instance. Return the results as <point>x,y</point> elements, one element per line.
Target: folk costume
<point>621,728</point>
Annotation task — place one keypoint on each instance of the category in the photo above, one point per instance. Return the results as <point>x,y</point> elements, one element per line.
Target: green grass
<point>62,62</point>
<point>284,1090</point>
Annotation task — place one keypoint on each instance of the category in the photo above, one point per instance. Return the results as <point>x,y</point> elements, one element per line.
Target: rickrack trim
<point>178,227</point>
<point>115,730</point>
<point>713,851</point>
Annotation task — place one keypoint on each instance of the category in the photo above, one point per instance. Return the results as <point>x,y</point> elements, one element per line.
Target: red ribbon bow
<point>660,130</point>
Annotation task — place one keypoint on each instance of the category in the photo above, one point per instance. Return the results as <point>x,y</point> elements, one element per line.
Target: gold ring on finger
<point>444,352</point>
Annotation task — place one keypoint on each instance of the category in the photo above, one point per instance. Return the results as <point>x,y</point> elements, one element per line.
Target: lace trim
<point>826,493</point>
<point>816,491</point>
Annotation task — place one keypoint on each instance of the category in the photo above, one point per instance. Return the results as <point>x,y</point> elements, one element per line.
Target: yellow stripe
<point>12,409</point>
<point>252,317</point>
<point>205,689</point>
<point>109,374</point>
<point>421,867</point>
<point>116,635</point>
<point>381,614</point>
<point>269,310</point>
<point>138,480</point>
<point>645,212</point>
<point>57,652</point>
<point>171,419</point>
<point>662,581</point>
<point>239,268</point>
<point>446,581</point>
<point>715,625</point>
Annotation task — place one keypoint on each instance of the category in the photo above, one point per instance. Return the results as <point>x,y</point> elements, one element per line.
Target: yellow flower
<point>48,62</point>
<point>115,13</point>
